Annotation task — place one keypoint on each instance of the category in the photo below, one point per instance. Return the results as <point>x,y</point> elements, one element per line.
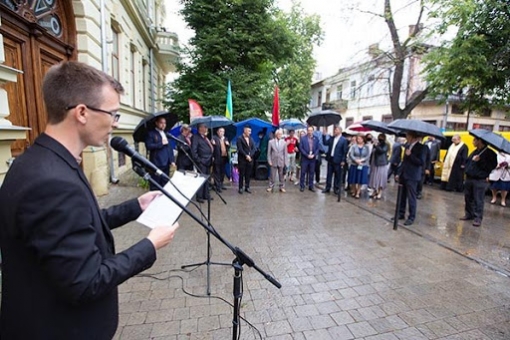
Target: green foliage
<point>476,62</point>
<point>252,44</point>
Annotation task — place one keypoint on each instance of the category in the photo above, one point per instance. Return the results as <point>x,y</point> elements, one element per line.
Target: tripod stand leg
<point>238,294</point>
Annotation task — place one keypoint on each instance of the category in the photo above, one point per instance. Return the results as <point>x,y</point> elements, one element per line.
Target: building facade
<point>124,38</point>
<point>361,92</point>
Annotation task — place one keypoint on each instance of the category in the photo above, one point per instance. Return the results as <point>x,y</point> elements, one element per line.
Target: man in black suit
<point>245,152</point>
<point>434,147</point>
<point>160,151</point>
<point>184,149</point>
<point>409,175</point>
<point>202,151</point>
<point>60,271</point>
<point>220,158</point>
<point>396,157</point>
<point>337,152</point>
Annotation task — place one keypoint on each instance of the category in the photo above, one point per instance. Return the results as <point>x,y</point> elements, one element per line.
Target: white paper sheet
<point>162,211</point>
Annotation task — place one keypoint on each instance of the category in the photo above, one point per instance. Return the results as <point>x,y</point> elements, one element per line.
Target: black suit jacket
<point>340,152</point>
<point>60,270</point>
<point>161,155</point>
<point>412,165</point>
<point>201,150</point>
<point>217,159</point>
<point>245,149</point>
<point>183,161</point>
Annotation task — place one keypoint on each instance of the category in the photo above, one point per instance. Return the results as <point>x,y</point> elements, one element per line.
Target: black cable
<point>153,276</point>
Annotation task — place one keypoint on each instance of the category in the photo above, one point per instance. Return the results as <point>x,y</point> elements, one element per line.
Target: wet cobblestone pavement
<point>345,273</point>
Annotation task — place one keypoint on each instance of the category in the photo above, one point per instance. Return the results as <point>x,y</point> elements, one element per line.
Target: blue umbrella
<point>419,127</point>
<point>212,122</point>
<point>292,124</point>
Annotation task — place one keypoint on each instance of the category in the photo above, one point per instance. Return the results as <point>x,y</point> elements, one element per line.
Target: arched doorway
<point>37,34</point>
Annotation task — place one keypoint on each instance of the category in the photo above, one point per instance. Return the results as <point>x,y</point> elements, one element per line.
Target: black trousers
<point>409,192</point>
<point>474,197</point>
<point>219,172</point>
<point>203,192</point>
<point>245,171</point>
<point>333,170</point>
<point>160,180</point>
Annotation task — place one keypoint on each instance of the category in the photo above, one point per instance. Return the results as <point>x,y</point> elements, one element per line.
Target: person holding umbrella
<point>479,165</point>
<point>160,151</point>
<point>410,174</point>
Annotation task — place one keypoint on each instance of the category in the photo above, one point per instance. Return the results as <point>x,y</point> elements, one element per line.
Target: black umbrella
<point>149,123</point>
<point>496,141</point>
<point>417,126</point>
<point>212,122</point>
<point>378,126</point>
<point>324,118</point>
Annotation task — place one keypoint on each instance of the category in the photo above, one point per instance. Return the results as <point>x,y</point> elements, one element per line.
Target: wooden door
<point>33,49</point>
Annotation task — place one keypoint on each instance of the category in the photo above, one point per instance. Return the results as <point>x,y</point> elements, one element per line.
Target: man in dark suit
<point>60,271</point>
<point>309,148</point>
<point>337,152</point>
<point>160,151</point>
<point>245,152</point>
<point>220,158</point>
<point>409,175</point>
<point>184,149</point>
<point>202,151</point>
<point>434,147</point>
<point>396,157</point>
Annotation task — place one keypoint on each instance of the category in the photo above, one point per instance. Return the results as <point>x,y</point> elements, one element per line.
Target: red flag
<point>276,108</point>
<point>194,110</point>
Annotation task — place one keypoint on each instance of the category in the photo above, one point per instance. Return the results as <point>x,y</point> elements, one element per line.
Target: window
<point>328,96</point>
<point>339,89</point>
<point>353,89</point>
<point>456,126</point>
<point>483,126</point>
<point>387,119</point>
<point>485,112</point>
<point>115,54</point>
<point>348,122</point>
<point>367,118</point>
<point>319,98</point>
<point>145,70</point>
<point>504,128</point>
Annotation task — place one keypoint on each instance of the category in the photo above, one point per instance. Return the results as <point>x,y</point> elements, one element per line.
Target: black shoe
<point>248,190</point>
<point>211,198</point>
<point>408,222</point>
<point>301,189</point>
<point>325,191</point>
<point>466,218</point>
<point>311,189</point>
<point>337,191</point>
<point>223,188</point>
<point>477,222</point>
<point>240,191</point>
<point>419,196</point>
<point>400,218</point>
<point>199,200</point>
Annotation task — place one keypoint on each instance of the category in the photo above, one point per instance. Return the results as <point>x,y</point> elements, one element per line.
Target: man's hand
<point>226,142</point>
<point>213,142</point>
<point>165,141</point>
<point>161,236</point>
<point>476,158</point>
<point>248,158</point>
<point>147,198</point>
<point>408,152</point>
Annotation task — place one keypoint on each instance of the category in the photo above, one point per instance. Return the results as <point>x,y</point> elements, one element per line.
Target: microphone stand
<point>208,261</point>
<point>241,258</point>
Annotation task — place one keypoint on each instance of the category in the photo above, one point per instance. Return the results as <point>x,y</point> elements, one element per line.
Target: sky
<point>348,25</point>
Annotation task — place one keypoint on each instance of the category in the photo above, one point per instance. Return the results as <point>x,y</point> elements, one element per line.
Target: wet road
<point>345,273</point>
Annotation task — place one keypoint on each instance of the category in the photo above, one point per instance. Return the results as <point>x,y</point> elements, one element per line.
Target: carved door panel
<point>15,51</point>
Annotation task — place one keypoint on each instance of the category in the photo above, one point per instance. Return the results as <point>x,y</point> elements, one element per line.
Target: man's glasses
<point>115,114</point>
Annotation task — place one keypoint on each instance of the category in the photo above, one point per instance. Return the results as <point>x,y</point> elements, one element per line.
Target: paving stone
<point>361,329</point>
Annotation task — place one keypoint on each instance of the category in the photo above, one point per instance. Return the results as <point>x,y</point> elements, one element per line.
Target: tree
<point>476,62</point>
<point>392,63</point>
<point>294,74</point>
<point>245,41</point>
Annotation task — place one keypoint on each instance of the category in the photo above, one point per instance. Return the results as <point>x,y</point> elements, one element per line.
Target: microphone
<point>121,145</point>
<point>172,137</point>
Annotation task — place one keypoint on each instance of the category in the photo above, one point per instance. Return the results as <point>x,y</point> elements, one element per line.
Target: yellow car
<point>445,144</point>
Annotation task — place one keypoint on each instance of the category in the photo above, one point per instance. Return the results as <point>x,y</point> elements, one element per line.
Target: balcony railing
<point>168,51</point>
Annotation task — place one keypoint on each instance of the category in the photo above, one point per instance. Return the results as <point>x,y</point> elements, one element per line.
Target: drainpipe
<point>104,60</point>
<point>151,76</point>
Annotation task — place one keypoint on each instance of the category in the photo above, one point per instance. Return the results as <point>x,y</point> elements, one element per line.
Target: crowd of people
<point>365,160</point>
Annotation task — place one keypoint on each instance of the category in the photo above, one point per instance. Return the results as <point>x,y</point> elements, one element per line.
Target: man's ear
<point>80,114</point>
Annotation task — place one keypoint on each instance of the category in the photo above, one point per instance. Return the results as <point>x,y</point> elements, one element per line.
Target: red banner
<point>194,110</point>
